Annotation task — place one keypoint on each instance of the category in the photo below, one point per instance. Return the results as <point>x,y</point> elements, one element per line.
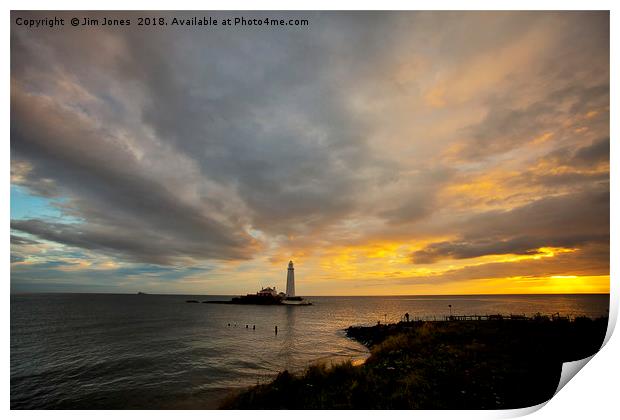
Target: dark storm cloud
<point>140,246</point>
<point>419,200</point>
<point>593,154</point>
<point>109,191</point>
<point>518,246</point>
<point>20,240</point>
<point>584,167</point>
<point>590,260</point>
<point>565,221</point>
<point>254,110</point>
<point>268,114</point>
<point>566,81</point>
<point>505,128</point>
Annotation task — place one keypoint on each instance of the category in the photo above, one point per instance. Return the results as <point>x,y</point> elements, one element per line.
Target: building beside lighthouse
<point>290,280</point>
<point>270,296</point>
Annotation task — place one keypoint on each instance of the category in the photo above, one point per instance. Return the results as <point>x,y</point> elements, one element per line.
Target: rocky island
<point>269,295</point>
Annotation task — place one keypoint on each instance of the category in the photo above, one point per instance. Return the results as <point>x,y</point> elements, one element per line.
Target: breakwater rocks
<point>262,300</point>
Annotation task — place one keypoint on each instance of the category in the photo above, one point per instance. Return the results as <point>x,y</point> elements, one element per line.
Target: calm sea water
<point>156,351</point>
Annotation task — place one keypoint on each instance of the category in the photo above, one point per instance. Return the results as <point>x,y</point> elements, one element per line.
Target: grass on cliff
<point>438,365</point>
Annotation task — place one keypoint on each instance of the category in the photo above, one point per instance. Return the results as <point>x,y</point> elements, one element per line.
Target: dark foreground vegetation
<point>490,364</point>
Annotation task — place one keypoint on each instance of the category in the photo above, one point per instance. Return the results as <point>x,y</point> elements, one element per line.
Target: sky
<point>385,153</point>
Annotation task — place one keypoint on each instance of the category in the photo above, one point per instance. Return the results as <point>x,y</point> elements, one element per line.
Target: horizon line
<point>237,294</point>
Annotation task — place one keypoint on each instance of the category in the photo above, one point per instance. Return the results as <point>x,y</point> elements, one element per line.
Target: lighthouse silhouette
<point>290,280</point>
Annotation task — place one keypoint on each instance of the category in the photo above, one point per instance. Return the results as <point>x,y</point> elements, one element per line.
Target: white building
<point>290,280</point>
<point>268,291</point>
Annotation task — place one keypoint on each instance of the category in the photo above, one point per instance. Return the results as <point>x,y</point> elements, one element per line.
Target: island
<point>269,295</point>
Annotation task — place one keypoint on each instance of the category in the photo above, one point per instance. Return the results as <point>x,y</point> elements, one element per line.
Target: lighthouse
<point>290,280</point>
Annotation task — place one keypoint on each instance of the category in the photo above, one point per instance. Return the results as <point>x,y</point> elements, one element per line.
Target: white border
<point>592,393</point>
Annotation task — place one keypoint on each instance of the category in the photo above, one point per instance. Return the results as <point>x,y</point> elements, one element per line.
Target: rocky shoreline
<point>450,364</point>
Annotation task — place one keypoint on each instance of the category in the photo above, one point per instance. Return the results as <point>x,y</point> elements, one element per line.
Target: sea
<point>121,351</point>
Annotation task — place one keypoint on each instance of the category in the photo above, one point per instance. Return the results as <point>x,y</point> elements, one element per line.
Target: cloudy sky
<point>385,153</point>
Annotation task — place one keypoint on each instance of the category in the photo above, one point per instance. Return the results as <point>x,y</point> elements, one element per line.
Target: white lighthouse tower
<point>290,280</point>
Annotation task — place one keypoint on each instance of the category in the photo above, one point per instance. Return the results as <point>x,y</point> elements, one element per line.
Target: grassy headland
<point>495,364</point>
